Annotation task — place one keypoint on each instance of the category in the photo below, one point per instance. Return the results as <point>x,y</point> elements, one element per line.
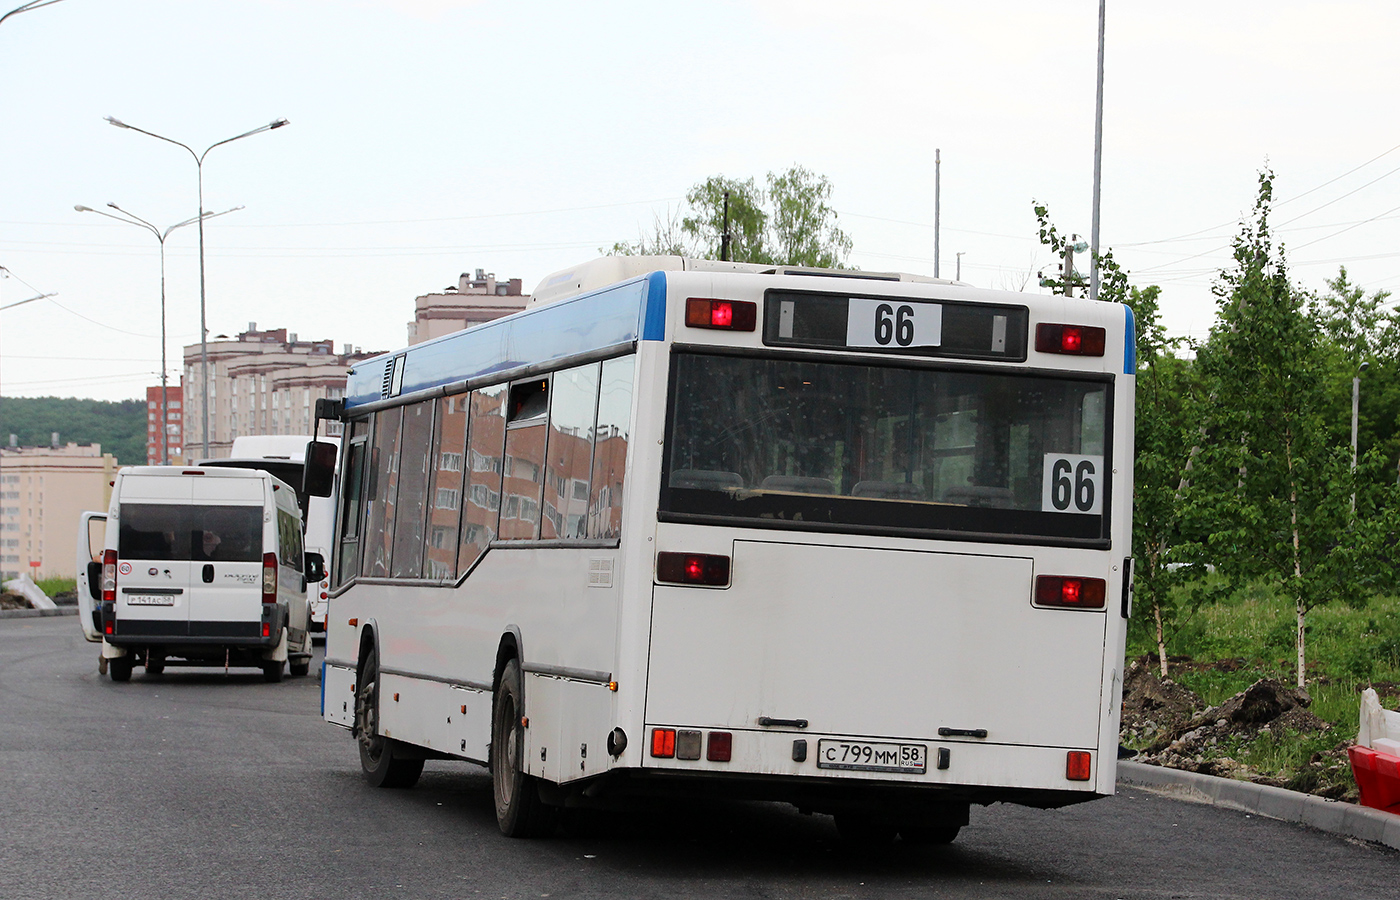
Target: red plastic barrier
<point>1378,778</point>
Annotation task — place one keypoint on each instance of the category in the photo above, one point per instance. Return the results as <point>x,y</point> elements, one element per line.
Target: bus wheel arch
<point>382,759</point>
<point>520,811</point>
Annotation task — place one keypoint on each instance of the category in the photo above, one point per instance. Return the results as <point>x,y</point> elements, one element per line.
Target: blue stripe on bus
<point>538,335</point>
<point>1129,342</point>
<point>323,688</point>
<point>654,325</point>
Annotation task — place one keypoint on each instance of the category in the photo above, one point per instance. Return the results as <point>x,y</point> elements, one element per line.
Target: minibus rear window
<point>171,531</point>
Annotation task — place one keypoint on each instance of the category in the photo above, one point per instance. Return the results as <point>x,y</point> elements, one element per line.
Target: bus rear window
<point>884,449</point>
<point>184,532</point>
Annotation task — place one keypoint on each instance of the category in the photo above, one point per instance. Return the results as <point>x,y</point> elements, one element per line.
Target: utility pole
<point>1071,245</point>
<point>937,190</point>
<point>1098,168</point>
<point>724,236</point>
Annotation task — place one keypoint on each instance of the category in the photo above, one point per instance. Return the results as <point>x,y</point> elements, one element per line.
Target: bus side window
<point>610,438</point>
<point>482,503</point>
<point>348,558</point>
<point>571,416</point>
<point>523,480</point>
<point>416,448</point>
<point>382,492</point>
<point>445,491</point>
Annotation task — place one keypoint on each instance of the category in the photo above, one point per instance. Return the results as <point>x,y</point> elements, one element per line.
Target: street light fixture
<point>26,7</point>
<point>133,219</point>
<point>203,330</point>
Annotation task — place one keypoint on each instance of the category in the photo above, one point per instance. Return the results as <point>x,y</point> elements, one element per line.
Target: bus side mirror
<point>315,567</point>
<point>318,476</point>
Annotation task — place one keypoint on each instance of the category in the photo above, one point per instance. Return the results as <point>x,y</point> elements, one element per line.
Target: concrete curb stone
<point>35,613</point>
<point>1332,816</point>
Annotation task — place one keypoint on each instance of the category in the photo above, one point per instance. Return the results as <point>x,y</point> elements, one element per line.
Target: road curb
<point>36,613</point>
<point>1332,816</point>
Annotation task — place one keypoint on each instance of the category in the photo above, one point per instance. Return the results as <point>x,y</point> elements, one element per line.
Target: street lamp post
<point>133,219</point>
<point>1355,409</point>
<point>26,7</point>
<point>203,329</point>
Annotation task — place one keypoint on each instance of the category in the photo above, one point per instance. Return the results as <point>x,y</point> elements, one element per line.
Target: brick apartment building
<point>173,425</point>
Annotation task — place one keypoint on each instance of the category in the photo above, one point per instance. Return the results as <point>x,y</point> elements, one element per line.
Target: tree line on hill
<point>119,426</point>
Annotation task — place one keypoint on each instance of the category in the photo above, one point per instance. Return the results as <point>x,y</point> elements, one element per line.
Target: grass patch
<point>1233,640</point>
<point>54,586</point>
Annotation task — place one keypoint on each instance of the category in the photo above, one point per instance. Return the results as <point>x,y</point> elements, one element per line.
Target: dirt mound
<point>13,601</point>
<point>1265,706</point>
<point>1154,707</point>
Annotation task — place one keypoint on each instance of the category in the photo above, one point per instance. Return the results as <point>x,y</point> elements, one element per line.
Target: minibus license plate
<point>872,756</point>
<point>150,599</point>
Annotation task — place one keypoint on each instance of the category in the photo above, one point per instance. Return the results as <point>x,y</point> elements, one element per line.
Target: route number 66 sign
<point>1072,484</point>
<point>893,324</point>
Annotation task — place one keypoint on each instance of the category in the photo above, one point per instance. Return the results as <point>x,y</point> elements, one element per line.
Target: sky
<point>433,137</point>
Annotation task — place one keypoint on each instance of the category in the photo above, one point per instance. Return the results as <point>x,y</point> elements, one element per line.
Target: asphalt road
<point>200,785</point>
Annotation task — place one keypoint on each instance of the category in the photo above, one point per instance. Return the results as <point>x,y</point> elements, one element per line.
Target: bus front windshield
<point>884,449</point>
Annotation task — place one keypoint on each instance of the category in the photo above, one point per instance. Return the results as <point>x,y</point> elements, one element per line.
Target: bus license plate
<point>150,600</point>
<point>872,756</point>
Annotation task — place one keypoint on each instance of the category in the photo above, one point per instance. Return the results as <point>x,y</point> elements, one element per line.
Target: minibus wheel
<point>378,754</point>
<point>519,810</point>
<point>272,670</point>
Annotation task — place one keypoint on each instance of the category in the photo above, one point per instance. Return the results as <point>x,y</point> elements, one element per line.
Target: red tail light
<point>719,745</point>
<point>729,315</point>
<point>1073,340</point>
<point>693,568</point>
<point>1078,764</point>
<point>663,742</point>
<point>109,576</point>
<point>1070,592</point>
<point>269,578</point>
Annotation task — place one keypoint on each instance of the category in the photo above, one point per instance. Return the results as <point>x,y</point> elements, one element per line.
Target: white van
<point>204,566</point>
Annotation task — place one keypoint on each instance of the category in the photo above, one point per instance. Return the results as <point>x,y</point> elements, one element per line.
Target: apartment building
<point>173,426</point>
<point>42,491</point>
<point>473,300</point>
<point>261,382</point>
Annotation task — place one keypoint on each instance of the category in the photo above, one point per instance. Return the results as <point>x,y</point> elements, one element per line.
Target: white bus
<point>284,455</point>
<point>858,542</point>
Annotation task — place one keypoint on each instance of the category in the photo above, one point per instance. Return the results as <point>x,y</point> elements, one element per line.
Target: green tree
<point>120,427</point>
<point>1164,384</point>
<point>804,231</point>
<point>792,223</point>
<point>748,221</point>
<point>1270,492</point>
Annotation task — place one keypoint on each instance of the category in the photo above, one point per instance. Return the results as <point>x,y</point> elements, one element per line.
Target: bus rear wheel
<point>519,810</point>
<point>379,758</point>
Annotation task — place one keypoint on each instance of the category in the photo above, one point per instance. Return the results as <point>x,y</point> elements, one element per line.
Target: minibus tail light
<point>728,315</point>
<point>1078,764</point>
<point>109,576</point>
<point>719,746</point>
<point>1070,592</point>
<point>1071,340</point>
<point>707,569</point>
<point>269,578</point>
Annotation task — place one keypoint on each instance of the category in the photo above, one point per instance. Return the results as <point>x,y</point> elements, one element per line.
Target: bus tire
<point>865,831</point>
<point>929,835</point>
<point>299,668</point>
<point>379,758</point>
<point>519,811</point>
<point>120,668</point>
<point>272,670</point>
